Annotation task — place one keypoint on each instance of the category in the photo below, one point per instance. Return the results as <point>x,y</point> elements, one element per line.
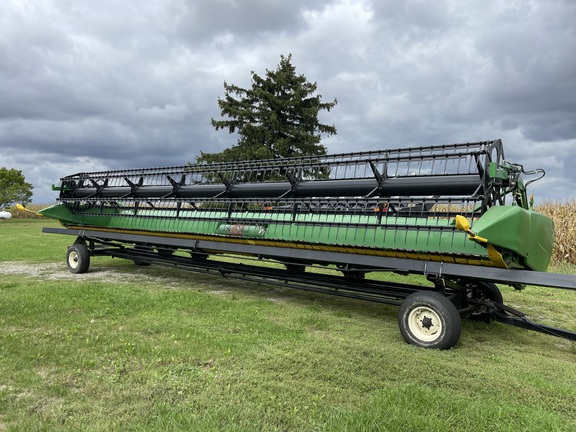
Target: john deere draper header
<point>410,203</point>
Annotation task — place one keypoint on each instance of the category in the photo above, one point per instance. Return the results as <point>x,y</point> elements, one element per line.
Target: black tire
<point>145,249</point>
<point>429,320</point>
<point>78,258</point>
<point>484,291</point>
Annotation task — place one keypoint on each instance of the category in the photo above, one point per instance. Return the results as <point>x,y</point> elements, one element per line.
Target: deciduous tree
<point>13,188</point>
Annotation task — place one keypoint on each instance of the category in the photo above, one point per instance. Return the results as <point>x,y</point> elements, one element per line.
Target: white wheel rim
<point>73,259</point>
<point>425,324</point>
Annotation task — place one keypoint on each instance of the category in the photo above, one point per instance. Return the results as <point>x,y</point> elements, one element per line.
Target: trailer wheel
<point>485,291</point>
<point>78,258</point>
<point>429,320</point>
<point>145,249</point>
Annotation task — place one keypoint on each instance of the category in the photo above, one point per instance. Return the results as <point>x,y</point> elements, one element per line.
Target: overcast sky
<point>106,84</point>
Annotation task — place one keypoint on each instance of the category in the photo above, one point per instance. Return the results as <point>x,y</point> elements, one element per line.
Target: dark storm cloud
<point>105,85</point>
<point>86,86</point>
<point>533,69</point>
<point>202,20</point>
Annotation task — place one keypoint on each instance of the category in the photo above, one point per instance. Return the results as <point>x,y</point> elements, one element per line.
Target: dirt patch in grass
<point>167,278</point>
<point>57,271</point>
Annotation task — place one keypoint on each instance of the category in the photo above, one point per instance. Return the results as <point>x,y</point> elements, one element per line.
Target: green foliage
<point>276,117</point>
<point>13,188</point>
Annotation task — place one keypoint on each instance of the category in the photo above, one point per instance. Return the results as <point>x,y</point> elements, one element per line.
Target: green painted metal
<point>498,172</point>
<point>525,233</point>
<point>410,234</point>
<point>525,237</point>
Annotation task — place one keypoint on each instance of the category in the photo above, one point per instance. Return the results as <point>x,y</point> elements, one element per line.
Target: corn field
<point>562,213</point>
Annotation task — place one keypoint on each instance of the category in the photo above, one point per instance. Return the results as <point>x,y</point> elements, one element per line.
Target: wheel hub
<point>426,322</point>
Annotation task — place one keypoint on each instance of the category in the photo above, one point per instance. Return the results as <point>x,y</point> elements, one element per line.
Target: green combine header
<point>454,213</point>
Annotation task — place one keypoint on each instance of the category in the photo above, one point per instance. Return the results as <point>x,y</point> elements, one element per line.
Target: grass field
<point>147,348</point>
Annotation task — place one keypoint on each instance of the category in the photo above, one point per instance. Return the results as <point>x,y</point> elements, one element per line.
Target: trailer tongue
<point>457,214</point>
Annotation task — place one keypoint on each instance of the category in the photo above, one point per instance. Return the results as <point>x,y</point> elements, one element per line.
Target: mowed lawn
<point>125,347</point>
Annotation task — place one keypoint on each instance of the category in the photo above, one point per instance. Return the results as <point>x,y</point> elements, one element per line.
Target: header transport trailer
<point>457,214</point>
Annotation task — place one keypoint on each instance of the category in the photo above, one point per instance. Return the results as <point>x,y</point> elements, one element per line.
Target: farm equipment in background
<point>457,214</point>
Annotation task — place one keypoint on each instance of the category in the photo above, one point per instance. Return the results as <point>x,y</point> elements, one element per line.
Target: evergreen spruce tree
<point>277,117</point>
